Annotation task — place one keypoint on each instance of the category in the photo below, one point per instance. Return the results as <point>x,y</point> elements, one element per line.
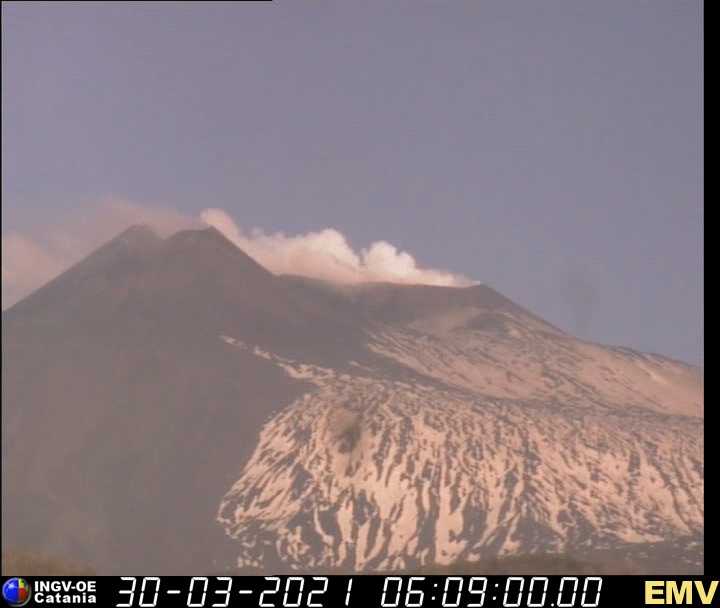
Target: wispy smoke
<point>31,259</point>
<point>25,266</point>
<point>327,255</point>
<point>581,297</point>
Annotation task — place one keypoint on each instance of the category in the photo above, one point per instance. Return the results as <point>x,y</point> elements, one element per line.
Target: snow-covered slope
<point>363,427</point>
<point>514,438</point>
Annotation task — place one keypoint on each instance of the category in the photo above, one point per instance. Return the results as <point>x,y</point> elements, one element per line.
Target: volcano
<point>170,406</point>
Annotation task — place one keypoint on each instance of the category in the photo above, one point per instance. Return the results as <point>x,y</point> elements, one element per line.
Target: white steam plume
<point>31,260</point>
<point>327,255</point>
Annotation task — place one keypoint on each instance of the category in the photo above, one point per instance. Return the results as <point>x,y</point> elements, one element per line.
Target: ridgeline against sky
<point>552,150</point>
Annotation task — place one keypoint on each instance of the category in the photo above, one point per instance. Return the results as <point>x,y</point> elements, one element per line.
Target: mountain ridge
<point>279,422</point>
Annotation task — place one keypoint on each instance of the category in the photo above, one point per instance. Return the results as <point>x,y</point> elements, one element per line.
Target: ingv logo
<point>679,592</point>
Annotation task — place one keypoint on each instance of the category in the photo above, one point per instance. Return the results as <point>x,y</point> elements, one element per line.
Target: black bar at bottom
<point>362,591</point>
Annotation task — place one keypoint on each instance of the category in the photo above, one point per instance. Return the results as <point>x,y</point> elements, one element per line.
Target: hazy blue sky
<point>550,149</point>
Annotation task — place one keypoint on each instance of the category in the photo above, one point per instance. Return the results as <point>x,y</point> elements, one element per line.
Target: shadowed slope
<point>149,384</point>
<point>134,406</point>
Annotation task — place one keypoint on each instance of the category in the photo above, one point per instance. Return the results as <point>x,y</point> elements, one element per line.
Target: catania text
<point>64,592</point>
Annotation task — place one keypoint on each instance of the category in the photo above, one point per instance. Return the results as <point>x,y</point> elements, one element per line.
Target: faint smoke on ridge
<point>581,297</point>
<point>32,258</point>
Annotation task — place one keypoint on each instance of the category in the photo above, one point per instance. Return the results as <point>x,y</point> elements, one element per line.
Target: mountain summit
<point>174,389</point>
